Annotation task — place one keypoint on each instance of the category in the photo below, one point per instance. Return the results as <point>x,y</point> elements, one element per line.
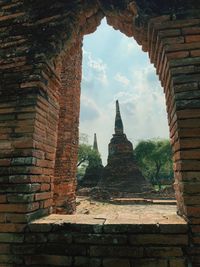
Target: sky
<point>115,67</point>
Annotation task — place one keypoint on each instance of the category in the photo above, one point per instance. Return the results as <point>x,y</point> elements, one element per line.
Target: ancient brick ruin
<point>40,74</point>
<point>122,174</point>
<point>93,172</point>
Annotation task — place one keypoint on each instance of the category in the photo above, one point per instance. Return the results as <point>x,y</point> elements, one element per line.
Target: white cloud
<point>131,46</point>
<point>143,106</point>
<point>102,125</point>
<point>122,79</point>
<point>97,69</point>
<point>89,109</point>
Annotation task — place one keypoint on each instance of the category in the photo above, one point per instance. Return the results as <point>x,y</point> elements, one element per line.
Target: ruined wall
<point>67,142</point>
<point>34,35</point>
<point>68,241</point>
<point>174,49</point>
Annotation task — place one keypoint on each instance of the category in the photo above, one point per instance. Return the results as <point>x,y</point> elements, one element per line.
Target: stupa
<point>94,169</point>
<point>121,174</point>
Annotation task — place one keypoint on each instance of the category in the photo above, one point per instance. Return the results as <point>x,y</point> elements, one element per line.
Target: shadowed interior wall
<point>67,142</point>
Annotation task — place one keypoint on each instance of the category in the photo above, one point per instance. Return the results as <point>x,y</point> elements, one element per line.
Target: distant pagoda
<point>121,174</point>
<point>95,145</point>
<point>94,170</point>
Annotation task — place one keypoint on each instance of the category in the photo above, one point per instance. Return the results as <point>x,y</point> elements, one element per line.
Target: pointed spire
<point>95,146</point>
<point>119,129</point>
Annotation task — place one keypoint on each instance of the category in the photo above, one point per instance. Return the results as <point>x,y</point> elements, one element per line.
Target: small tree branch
<point>80,162</point>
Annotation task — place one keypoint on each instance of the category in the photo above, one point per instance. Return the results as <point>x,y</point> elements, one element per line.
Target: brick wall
<point>174,50</point>
<point>34,37</point>
<point>67,142</point>
<point>88,241</point>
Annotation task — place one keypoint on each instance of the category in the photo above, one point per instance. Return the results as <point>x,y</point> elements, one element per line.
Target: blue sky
<point>115,67</point>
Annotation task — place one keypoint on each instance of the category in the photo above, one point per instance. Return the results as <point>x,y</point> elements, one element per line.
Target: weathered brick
<point>3,199</point>
<point>187,165</point>
<point>188,154</point>
<point>184,114</point>
<point>11,228</point>
<point>169,32</point>
<point>14,238</point>
<point>20,198</point>
<point>5,248</point>
<point>187,95</point>
<point>194,212</point>
<point>5,162</point>
<point>179,54</point>
<point>65,237</point>
<point>116,263</point>
<point>36,238</point>
<point>46,203</point>
<point>178,263</point>
<point>116,251</point>
<point>186,143</point>
<point>191,30</point>
<point>19,188</point>
<point>101,239</point>
<point>65,249</point>
<point>181,47</point>
<point>10,259</point>
<point>195,132</point>
<point>23,249</point>
<point>45,187</point>
<point>162,252</point>
<point>150,263</point>
<point>173,40</point>
<point>41,196</point>
<point>192,38</point>
<point>195,53</point>
<point>81,261</point>
<point>48,259</point>
<point>195,228</point>
<point>40,227</point>
<point>184,62</point>
<point>24,161</point>
<point>155,239</point>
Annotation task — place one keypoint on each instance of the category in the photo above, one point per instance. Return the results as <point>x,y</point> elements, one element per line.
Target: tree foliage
<point>155,159</point>
<point>86,154</point>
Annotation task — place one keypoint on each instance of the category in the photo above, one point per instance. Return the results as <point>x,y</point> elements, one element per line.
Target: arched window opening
<point>115,68</point>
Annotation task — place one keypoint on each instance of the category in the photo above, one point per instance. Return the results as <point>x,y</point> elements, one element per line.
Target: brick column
<point>67,144</point>
<point>28,125</point>
<point>28,133</point>
<point>174,49</point>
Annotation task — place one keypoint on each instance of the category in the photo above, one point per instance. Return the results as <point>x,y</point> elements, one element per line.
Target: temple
<point>121,174</point>
<point>94,169</point>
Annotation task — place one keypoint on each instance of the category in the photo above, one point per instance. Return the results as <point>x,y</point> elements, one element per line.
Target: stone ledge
<point>123,239</point>
<point>141,220</point>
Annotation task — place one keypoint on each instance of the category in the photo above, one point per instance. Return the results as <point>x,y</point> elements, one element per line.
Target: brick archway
<point>39,103</point>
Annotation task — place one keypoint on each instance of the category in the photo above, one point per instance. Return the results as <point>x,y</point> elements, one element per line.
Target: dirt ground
<point>148,213</point>
<point>104,213</point>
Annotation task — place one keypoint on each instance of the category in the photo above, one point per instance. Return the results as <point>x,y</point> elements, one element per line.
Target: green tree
<point>155,159</point>
<point>86,154</point>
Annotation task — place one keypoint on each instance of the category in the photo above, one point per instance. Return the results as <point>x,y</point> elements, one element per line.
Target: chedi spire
<point>119,129</point>
<point>95,146</point>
